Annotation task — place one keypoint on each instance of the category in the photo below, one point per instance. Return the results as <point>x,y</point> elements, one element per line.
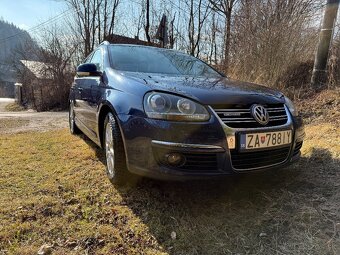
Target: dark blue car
<point>165,114</point>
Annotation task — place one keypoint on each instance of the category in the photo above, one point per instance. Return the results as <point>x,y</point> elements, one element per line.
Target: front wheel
<point>116,169</point>
<point>73,127</point>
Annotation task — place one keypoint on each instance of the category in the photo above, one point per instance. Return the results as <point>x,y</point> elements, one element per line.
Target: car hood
<point>210,91</point>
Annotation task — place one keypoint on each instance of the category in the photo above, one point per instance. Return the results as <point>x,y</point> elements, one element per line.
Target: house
<point>45,86</point>
<point>119,39</point>
<point>38,88</point>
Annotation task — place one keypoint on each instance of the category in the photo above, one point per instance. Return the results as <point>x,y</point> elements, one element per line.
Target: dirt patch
<point>321,107</point>
<point>40,122</point>
<point>13,119</point>
<point>10,124</point>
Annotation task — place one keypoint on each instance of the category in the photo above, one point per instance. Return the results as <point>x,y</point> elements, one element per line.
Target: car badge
<point>260,114</point>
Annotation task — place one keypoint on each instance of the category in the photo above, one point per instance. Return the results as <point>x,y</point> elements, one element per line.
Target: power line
<point>53,19</point>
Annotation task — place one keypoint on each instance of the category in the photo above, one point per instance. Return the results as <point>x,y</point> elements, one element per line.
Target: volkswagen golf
<point>164,114</point>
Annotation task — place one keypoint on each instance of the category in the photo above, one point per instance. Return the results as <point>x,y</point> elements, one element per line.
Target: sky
<point>29,13</point>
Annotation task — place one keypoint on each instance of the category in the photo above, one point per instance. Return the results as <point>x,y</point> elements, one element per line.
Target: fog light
<point>175,159</point>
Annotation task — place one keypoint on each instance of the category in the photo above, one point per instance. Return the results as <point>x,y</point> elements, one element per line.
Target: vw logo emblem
<point>260,114</point>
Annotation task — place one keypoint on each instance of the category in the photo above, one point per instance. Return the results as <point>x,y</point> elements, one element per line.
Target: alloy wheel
<point>71,118</point>
<point>109,148</point>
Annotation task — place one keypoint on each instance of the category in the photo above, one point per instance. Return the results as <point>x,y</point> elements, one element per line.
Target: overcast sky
<point>28,13</point>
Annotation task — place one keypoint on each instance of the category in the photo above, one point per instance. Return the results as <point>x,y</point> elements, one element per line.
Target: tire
<point>74,130</point>
<point>116,168</point>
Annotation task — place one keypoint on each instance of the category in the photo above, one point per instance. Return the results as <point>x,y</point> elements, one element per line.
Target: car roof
<point>138,45</point>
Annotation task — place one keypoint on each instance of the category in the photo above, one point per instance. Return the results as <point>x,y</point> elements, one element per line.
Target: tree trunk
<point>227,41</point>
<point>147,25</point>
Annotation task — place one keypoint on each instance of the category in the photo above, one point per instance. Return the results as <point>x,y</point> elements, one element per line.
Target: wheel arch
<point>104,109</point>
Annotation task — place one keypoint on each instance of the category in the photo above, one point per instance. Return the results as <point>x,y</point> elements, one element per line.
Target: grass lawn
<point>53,190</point>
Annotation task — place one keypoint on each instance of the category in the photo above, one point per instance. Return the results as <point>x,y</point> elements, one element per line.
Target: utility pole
<point>319,77</point>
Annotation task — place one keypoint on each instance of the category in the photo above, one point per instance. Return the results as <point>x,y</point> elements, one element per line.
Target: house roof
<point>119,39</point>
<point>38,69</point>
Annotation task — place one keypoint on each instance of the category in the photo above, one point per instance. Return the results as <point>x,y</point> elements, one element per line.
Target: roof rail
<point>105,43</point>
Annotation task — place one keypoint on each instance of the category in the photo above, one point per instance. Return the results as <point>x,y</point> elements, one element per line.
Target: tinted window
<point>154,60</point>
<point>97,59</point>
<point>88,59</point>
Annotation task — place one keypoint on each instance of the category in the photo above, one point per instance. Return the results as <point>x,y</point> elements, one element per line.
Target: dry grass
<point>54,191</point>
<point>14,107</point>
<point>321,107</point>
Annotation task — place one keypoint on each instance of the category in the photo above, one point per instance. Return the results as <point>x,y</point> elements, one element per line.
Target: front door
<point>91,95</point>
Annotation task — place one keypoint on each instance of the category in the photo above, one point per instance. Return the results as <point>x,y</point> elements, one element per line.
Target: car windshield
<point>161,61</point>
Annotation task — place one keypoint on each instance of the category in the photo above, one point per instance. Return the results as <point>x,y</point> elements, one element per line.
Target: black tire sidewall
<point>75,130</point>
<point>121,172</point>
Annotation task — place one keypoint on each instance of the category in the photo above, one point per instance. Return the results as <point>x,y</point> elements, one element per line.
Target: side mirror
<point>88,70</point>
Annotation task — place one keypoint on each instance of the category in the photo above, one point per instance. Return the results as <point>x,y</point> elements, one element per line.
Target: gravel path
<point>17,122</point>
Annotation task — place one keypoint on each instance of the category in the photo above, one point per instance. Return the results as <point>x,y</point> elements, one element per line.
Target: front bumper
<point>204,146</point>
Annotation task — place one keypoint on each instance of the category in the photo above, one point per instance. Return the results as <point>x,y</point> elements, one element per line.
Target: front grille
<point>195,162</point>
<point>297,148</point>
<point>258,159</point>
<point>237,117</point>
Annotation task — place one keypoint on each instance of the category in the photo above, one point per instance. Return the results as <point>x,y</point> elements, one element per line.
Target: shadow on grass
<point>252,213</point>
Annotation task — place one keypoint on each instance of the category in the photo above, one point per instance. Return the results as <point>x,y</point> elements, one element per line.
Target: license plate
<point>265,140</point>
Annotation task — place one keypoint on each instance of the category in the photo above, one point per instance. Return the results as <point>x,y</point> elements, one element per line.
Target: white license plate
<point>265,140</point>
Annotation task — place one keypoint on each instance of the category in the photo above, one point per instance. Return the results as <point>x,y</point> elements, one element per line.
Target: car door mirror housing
<point>88,70</point>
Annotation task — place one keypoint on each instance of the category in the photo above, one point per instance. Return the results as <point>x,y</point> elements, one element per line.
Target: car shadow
<point>244,214</point>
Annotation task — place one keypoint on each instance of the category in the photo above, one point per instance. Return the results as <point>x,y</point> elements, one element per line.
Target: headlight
<point>164,106</point>
<point>293,110</point>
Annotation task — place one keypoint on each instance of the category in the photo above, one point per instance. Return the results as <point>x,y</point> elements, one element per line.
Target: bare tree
<point>225,7</point>
<point>46,72</point>
<point>269,36</point>
<point>93,21</point>
<point>172,33</point>
<point>334,60</point>
<point>57,53</point>
<point>212,32</point>
<point>198,13</point>
<point>147,21</point>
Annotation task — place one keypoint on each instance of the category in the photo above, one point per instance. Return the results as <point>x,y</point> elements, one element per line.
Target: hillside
<point>12,38</point>
<point>13,41</point>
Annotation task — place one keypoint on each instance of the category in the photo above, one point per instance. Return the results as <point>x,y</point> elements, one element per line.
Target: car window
<point>154,60</point>
<point>97,60</point>
<point>88,59</point>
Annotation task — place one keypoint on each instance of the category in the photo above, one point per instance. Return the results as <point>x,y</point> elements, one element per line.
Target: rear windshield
<point>161,61</point>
